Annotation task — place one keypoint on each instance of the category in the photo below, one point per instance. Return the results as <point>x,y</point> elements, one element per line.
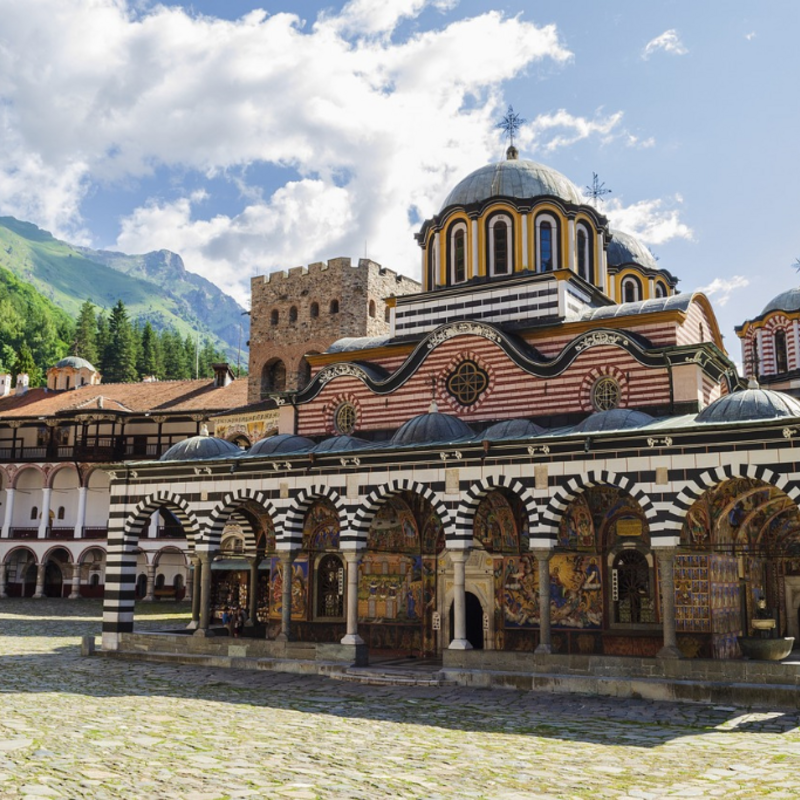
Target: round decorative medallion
<point>605,394</point>
<point>467,382</point>
<point>345,418</point>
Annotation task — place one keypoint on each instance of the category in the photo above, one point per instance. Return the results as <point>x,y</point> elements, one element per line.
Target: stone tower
<point>304,311</point>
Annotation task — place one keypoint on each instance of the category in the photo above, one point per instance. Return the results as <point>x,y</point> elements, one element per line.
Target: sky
<point>250,137</point>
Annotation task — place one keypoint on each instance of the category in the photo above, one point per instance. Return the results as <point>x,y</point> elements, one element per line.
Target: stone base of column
<point>192,626</point>
<point>545,649</point>
<point>669,652</point>
<point>204,633</point>
<point>352,638</point>
<point>74,595</point>
<point>38,596</point>
<point>150,599</point>
<point>281,637</point>
<point>460,644</point>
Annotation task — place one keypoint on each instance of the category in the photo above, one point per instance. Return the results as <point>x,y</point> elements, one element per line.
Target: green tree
<point>176,364</point>
<point>119,359</point>
<point>84,344</point>
<point>25,363</point>
<point>150,362</point>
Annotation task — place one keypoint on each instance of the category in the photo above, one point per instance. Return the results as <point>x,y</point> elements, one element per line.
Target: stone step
<point>373,677</point>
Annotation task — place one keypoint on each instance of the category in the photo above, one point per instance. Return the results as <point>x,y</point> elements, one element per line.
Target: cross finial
<point>597,189</point>
<point>511,123</point>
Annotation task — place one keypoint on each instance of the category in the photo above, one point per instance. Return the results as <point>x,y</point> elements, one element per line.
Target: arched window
<point>387,314</point>
<point>94,579</point>
<point>273,377</point>
<point>661,290</point>
<point>334,307</point>
<point>274,317</point>
<point>631,585</point>
<point>457,248</point>
<point>35,513</point>
<point>314,310</point>
<point>372,308</point>
<point>330,587</point>
<point>431,266</point>
<point>293,314</point>
<point>584,254</point>
<point>61,512</point>
<point>756,359</point>
<point>546,243</point>
<point>631,290</point>
<point>781,353</point>
<point>500,245</point>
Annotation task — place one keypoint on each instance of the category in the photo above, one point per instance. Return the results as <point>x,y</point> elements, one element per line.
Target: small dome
<point>75,363</point>
<point>338,444</point>
<point>515,178</point>
<point>431,427</point>
<point>282,443</point>
<point>512,429</point>
<point>626,249</point>
<point>786,301</point>
<point>750,404</point>
<point>617,419</point>
<point>199,447</point>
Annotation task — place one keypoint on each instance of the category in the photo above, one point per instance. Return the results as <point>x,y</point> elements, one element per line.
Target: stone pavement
<point>73,727</point>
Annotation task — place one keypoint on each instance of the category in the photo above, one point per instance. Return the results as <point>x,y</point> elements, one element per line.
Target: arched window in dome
<point>457,253</point>
<point>584,253</point>
<point>781,352</point>
<point>631,289</point>
<point>500,244</point>
<point>661,290</point>
<point>546,243</point>
<point>755,358</point>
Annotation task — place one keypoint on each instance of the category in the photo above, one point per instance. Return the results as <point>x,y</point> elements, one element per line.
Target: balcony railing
<point>95,533</point>
<point>61,533</point>
<point>23,533</point>
<point>94,449</point>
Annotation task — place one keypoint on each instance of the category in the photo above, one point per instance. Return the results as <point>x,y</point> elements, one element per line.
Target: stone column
<point>194,578</point>
<point>460,641</point>
<point>3,581</point>
<point>205,594</point>
<point>252,592</point>
<point>80,522</point>
<point>39,593</point>
<point>666,565</point>
<point>190,583</point>
<point>76,582</point>
<point>151,584</point>
<point>44,522</point>
<point>543,563</point>
<point>572,265</point>
<point>351,637</point>
<point>9,518</point>
<point>152,528</point>
<point>286,599</point>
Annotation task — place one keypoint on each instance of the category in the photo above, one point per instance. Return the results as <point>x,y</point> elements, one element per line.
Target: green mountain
<point>154,286</point>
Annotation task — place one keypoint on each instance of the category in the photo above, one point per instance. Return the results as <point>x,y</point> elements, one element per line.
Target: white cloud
<point>669,42</point>
<point>549,132</point>
<point>721,288</point>
<point>650,221</point>
<point>94,93</point>
<point>750,36</point>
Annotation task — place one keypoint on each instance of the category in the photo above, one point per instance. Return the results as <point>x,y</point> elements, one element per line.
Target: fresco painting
<point>321,528</point>
<point>299,588</point>
<point>394,529</point>
<point>576,528</point>
<point>495,527</point>
<point>390,588</point>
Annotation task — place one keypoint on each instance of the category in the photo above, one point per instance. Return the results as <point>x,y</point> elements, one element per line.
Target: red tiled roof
<point>125,398</point>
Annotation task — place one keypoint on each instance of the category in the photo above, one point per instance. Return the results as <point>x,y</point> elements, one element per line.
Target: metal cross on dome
<point>511,123</point>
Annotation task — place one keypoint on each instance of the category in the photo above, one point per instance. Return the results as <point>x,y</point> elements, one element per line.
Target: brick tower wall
<point>286,343</point>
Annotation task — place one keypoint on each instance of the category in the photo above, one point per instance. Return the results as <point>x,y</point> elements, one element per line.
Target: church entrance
<point>474,620</point>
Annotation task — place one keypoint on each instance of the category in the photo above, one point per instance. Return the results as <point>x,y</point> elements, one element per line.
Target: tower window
<point>631,290</point>
<point>293,314</point>
<point>500,245</point>
<point>459,258</point>
<point>546,243</point>
<point>334,307</point>
<point>660,290</point>
<point>274,317</point>
<point>372,308</point>
<point>387,314</point>
<point>584,254</point>
<point>781,353</point>
<point>756,366</point>
<point>314,310</point>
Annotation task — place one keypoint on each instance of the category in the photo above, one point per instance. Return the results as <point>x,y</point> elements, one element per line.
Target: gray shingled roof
<point>675,301</point>
<point>749,404</point>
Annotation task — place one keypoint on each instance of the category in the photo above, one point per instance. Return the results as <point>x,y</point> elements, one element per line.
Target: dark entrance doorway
<point>53,580</point>
<point>474,614</point>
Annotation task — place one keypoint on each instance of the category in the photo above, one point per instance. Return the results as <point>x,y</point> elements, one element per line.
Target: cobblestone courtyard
<point>75,727</point>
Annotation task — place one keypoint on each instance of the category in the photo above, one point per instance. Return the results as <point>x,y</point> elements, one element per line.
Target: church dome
<point>626,249</point>
<point>339,444</point>
<point>517,178</point>
<point>512,429</point>
<point>201,447</point>
<point>617,419</point>
<point>750,404</point>
<point>75,363</point>
<point>785,301</point>
<point>431,427</point>
<point>282,443</point>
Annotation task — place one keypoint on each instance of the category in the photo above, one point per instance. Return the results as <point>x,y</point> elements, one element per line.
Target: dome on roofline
<point>750,404</point>
<point>431,428</point>
<point>626,249</point>
<point>785,301</point>
<point>282,443</point>
<point>617,419</point>
<point>201,447</point>
<point>75,362</point>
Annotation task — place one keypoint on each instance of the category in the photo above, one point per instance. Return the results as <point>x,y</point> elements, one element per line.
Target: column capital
<point>665,552</point>
<point>541,553</point>
<point>352,556</point>
<point>459,556</point>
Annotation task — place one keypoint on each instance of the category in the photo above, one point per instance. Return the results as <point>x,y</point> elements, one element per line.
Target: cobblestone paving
<point>73,727</point>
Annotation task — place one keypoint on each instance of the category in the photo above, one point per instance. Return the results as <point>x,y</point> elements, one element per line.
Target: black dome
<point>200,447</point>
<point>431,427</point>
<point>626,249</point>
<point>786,301</point>
<point>617,419</point>
<point>750,404</point>
<point>282,443</point>
<point>338,444</point>
<point>512,429</point>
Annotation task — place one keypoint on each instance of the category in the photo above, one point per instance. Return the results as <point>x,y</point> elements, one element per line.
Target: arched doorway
<point>474,620</point>
<point>57,571</point>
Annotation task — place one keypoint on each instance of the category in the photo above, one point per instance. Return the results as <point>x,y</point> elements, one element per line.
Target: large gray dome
<point>750,404</point>
<point>515,178</point>
<point>786,301</point>
<point>282,443</point>
<point>340,444</point>
<point>75,362</point>
<point>617,419</point>
<point>430,428</point>
<point>627,249</point>
<point>512,429</point>
<point>200,447</point>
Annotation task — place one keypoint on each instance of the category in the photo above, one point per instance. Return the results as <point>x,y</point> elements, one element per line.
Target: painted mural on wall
<point>390,588</point>
<point>495,526</point>
<point>394,529</point>
<point>597,518</point>
<point>321,527</point>
<point>300,588</point>
<point>576,591</point>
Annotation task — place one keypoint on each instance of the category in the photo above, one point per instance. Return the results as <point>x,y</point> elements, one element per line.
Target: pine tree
<point>84,344</point>
<point>24,363</point>
<point>150,354</point>
<point>190,347</point>
<point>119,362</point>
<point>175,364</point>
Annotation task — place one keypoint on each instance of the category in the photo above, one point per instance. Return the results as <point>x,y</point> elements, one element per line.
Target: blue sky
<point>249,140</point>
